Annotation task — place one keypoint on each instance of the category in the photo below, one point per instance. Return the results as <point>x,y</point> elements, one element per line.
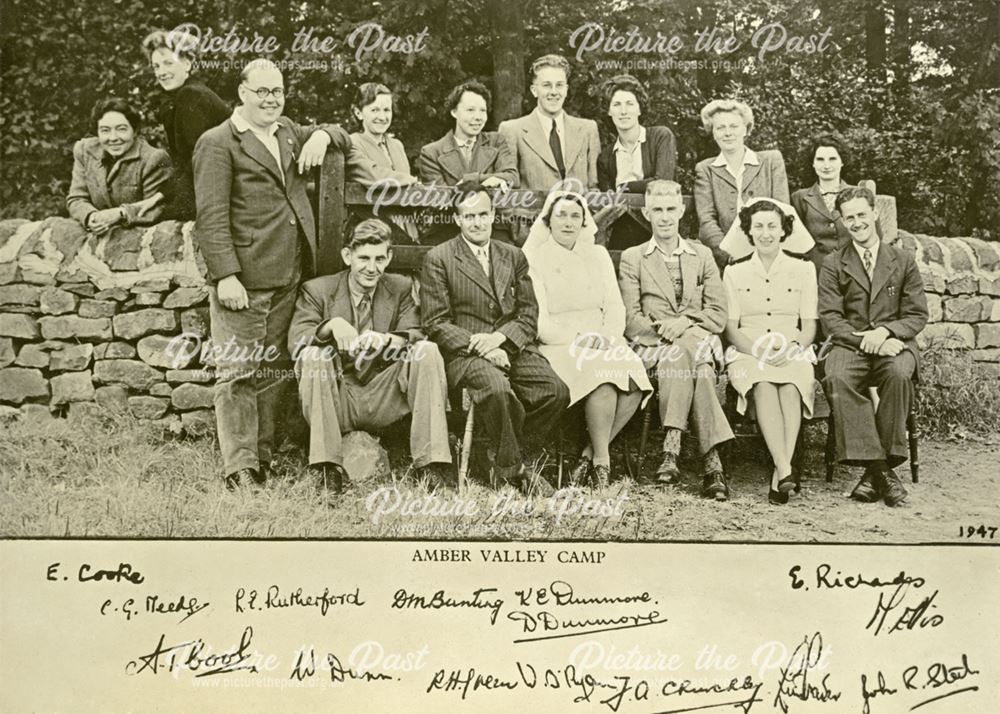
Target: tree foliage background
<point>914,86</point>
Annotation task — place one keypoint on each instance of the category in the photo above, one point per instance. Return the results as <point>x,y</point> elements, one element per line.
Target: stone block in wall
<point>169,425</point>
<point>84,412</point>
<point>158,285</point>
<point>19,294</point>
<point>169,352</point>
<point>22,327</point>
<point>935,313</point>
<point>36,413</point>
<point>160,390</point>
<point>116,294</point>
<point>131,373</point>
<point>951,334</point>
<point>995,311</point>
<point>122,253</point>
<point>987,254</point>
<point>72,327</point>
<point>988,355</point>
<point>967,309</point>
<point>180,376</point>
<point>54,301</point>
<point>6,351</point>
<point>134,325</point>
<point>71,358</point>
<point>19,384</point>
<point>959,255</point>
<point>192,396</point>
<point>167,245</point>
<point>97,308</point>
<point>933,282</point>
<point>84,290</point>
<point>8,413</point>
<point>147,407</point>
<point>9,273</point>
<point>112,398</point>
<point>987,335</point>
<point>987,370</point>
<point>989,287</point>
<point>37,278</point>
<point>198,423</point>
<point>72,387</point>
<point>148,299</point>
<point>963,285</point>
<point>33,354</point>
<point>196,322</point>
<point>185,297</point>
<point>114,350</point>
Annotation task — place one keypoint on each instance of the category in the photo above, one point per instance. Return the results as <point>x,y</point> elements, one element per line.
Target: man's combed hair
<point>370,231</point>
<point>852,192</point>
<point>557,61</point>
<point>663,187</point>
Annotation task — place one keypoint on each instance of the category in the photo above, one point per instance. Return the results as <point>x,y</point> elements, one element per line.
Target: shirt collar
<point>357,292</point>
<point>243,125</point>
<point>642,138</point>
<point>470,143</point>
<point>861,251</point>
<point>474,248</point>
<point>682,247</point>
<point>547,122</point>
<point>749,158</point>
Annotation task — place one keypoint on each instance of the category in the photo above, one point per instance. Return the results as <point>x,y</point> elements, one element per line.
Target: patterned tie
<point>484,260</point>
<point>557,150</point>
<point>364,313</point>
<point>868,262</point>
<point>466,149</point>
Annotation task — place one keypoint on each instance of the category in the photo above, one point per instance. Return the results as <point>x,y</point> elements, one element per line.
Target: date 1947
<point>983,532</point>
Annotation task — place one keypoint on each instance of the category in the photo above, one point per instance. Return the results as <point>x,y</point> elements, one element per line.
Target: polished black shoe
<point>438,476</point>
<point>777,498</point>
<point>787,485</point>
<point>580,475</point>
<point>331,478</point>
<point>667,472</point>
<point>867,491</point>
<point>241,476</point>
<point>265,472</point>
<point>602,475</point>
<point>713,485</point>
<point>893,493</point>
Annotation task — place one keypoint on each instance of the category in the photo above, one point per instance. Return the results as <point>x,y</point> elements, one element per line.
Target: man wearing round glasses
<point>256,231</point>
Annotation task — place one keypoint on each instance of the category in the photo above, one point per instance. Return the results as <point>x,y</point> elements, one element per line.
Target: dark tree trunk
<point>505,19</point>
<point>875,52</point>
<point>901,44</point>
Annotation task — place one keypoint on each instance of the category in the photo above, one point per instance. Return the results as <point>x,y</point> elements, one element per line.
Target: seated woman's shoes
<point>713,485</point>
<point>787,485</point>
<point>602,476</point>
<point>580,475</point>
<point>893,493</point>
<point>778,498</point>
<point>667,472</point>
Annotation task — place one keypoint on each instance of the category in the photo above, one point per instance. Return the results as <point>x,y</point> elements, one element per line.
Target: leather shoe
<point>713,485</point>
<point>893,493</point>
<point>867,491</point>
<point>778,498</point>
<point>265,472</point>
<point>580,475</point>
<point>437,475</point>
<point>331,478</point>
<point>240,476</point>
<point>667,472</point>
<point>602,475</point>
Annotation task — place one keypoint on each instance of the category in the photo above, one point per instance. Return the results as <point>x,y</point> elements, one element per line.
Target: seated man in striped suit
<point>477,304</point>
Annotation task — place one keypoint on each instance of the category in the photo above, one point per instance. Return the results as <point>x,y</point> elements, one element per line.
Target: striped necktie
<point>364,313</point>
<point>868,262</point>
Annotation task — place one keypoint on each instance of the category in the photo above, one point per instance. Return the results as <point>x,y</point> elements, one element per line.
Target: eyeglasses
<point>263,92</point>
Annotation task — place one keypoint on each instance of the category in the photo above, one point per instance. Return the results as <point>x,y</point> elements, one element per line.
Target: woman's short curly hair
<point>115,104</point>
<point>716,106</point>
<point>763,206</point>
<point>624,83</point>
<point>183,44</point>
<point>547,216</point>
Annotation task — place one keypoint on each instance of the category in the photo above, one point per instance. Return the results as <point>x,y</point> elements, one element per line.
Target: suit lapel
<point>815,201</point>
<point>256,150</point>
<point>483,156</point>
<point>451,158</point>
<point>383,303</point>
<point>535,138</point>
<point>661,276</point>
<point>502,269</point>
<point>286,148</point>
<point>341,301</point>
<point>750,174</point>
<point>573,140</point>
<point>647,156</point>
<point>885,263</point>
<point>851,262</point>
<point>722,172</point>
<point>469,265</point>
<point>689,277</point>
<point>101,196</point>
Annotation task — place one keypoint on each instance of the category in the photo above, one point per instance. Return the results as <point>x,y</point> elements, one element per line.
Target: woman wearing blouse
<point>189,110</point>
<point>376,155</point>
<point>772,321</point>
<point>581,320</point>
<point>638,155</point>
<point>118,178</point>
<point>725,183</point>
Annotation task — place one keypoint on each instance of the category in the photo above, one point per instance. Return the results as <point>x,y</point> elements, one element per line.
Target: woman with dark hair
<point>376,155</point>
<point>118,178</point>
<point>189,109</point>
<point>772,322</point>
<point>581,322</point>
<point>725,183</point>
<point>827,155</point>
<point>639,155</point>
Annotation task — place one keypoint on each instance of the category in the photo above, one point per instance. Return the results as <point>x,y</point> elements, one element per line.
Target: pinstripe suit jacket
<point>457,300</point>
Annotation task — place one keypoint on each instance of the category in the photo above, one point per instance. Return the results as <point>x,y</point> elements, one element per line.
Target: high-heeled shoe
<point>777,496</point>
<point>787,484</point>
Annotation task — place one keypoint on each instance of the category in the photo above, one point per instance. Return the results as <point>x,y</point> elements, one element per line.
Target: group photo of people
<point>779,290</point>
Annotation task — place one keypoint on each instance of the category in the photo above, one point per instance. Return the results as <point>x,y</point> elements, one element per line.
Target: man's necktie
<point>868,262</point>
<point>484,260</point>
<point>557,150</point>
<point>364,313</point>
<point>466,150</point>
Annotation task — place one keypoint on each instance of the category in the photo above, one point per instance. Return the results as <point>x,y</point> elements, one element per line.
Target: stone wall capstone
<point>90,319</point>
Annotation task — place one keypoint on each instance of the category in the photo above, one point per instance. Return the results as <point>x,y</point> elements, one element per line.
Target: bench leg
<point>913,434</point>
<point>830,451</point>
<point>798,457</point>
<point>463,463</point>
<point>647,418</point>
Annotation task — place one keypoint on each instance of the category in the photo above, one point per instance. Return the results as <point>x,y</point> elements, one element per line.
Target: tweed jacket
<point>251,214</point>
<point>536,166</point>
<point>138,174</point>
<point>368,163</point>
<point>441,162</point>
<point>659,161</point>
